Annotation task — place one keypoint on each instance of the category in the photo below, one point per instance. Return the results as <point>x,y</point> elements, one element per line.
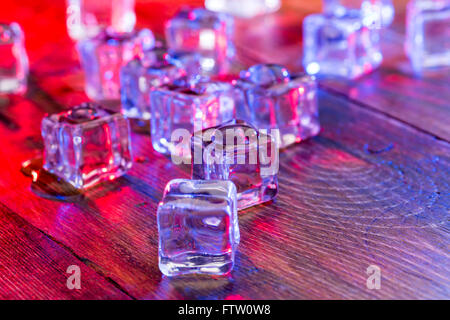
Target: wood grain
<point>372,188</point>
<point>344,204</point>
<point>33,266</point>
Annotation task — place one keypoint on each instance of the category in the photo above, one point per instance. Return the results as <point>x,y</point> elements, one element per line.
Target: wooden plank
<point>33,266</point>
<point>368,190</point>
<point>356,195</point>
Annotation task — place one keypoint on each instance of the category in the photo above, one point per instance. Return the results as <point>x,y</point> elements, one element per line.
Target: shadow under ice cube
<point>340,46</point>
<point>86,145</point>
<point>13,59</point>
<point>198,227</point>
<point>236,151</point>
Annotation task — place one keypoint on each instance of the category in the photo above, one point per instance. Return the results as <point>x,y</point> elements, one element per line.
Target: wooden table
<point>371,189</point>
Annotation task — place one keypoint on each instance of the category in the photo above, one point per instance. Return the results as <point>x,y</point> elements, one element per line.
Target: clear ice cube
<point>198,227</point>
<point>340,46</point>
<point>206,33</point>
<point>13,59</point>
<point>86,145</point>
<point>196,65</point>
<point>244,9</point>
<point>86,18</point>
<point>103,56</point>
<point>178,111</point>
<point>277,99</point>
<point>375,13</point>
<point>427,41</point>
<point>236,151</point>
<point>266,74</point>
<point>140,76</point>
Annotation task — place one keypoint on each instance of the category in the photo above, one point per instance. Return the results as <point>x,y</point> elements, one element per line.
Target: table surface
<point>371,189</point>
